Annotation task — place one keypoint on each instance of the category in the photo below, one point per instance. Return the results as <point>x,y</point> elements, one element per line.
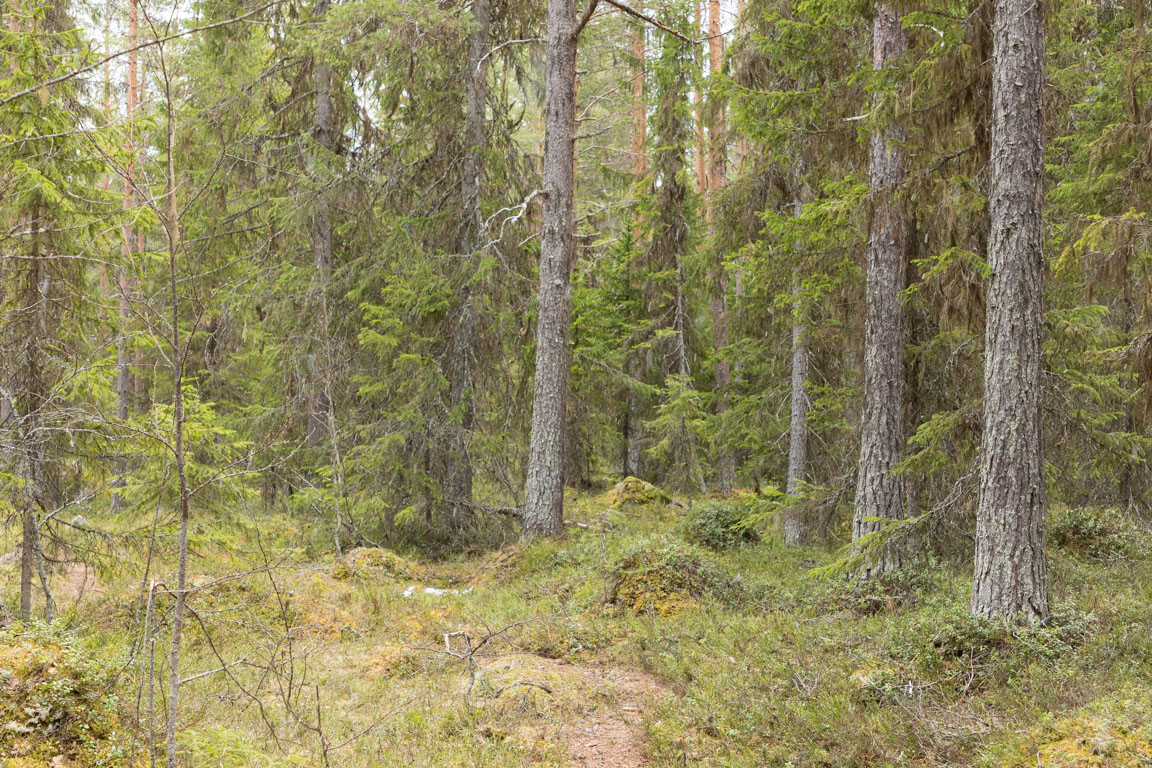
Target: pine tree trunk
<point>32,399</point>
<point>324,131</point>
<point>544,489</point>
<point>698,100</point>
<point>124,384</point>
<point>795,528</point>
<point>1011,567</point>
<point>639,108</point>
<point>634,420</point>
<point>717,177</point>
<point>457,481</point>
<point>880,493</point>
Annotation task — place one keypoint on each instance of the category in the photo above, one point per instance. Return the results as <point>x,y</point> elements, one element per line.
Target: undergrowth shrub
<point>663,576</point>
<point>57,702</point>
<point>1096,532</point>
<point>888,591</point>
<point>721,524</point>
<point>979,650</point>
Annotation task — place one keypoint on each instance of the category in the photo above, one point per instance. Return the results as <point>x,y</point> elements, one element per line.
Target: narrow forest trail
<point>600,713</point>
<point>611,736</point>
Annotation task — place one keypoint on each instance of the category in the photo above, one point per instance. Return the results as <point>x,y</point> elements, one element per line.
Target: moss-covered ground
<point>736,656</point>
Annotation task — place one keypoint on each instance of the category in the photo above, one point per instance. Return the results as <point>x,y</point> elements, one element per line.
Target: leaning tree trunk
<point>879,492</point>
<point>544,489</point>
<point>1011,568</point>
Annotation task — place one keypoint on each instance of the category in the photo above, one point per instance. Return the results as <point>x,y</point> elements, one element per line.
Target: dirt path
<point>610,736</point>
<point>594,713</point>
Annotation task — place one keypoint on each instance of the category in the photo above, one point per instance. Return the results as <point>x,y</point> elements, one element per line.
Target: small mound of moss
<point>1096,532</point>
<point>662,576</point>
<point>632,491</point>
<point>721,525</point>
<point>367,561</point>
<point>56,703</point>
<point>1085,743</point>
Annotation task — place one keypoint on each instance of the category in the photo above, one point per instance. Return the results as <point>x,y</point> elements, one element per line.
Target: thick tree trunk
<point>717,177</point>
<point>1011,568</point>
<point>880,493</point>
<point>795,527</point>
<point>544,489</point>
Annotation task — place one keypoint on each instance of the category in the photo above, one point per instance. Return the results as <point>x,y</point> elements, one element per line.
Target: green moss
<point>56,701</point>
<point>632,491</point>
<point>662,576</point>
<point>367,561</point>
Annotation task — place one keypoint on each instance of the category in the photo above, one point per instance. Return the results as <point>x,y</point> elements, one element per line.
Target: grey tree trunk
<point>124,383</point>
<point>178,352</point>
<point>544,489</point>
<point>1011,568</point>
<point>324,131</point>
<point>31,401</point>
<point>634,421</point>
<point>880,493</point>
<point>457,481</point>
<point>795,527</point>
<point>717,177</point>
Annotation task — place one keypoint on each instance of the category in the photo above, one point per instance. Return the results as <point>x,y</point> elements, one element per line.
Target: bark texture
<point>456,482</point>
<point>879,493</point>
<point>325,133</point>
<point>544,489</point>
<point>717,177</point>
<point>639,111</point>
<point>795,530</point>
<point>1011,567</point>
<point>795,527</point>
<point>124,383</point>
<point>698,102</point>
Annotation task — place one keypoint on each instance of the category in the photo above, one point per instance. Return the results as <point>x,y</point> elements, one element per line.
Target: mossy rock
<point>662,576</point>
<point>57,704</point>
<point>368,561</point>
<point>634,492</point>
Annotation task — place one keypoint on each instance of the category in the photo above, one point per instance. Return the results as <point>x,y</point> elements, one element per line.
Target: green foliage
<point>993,651</point>
<point>1096,532</point>
<point>224,748</point>
<point>722,524</point>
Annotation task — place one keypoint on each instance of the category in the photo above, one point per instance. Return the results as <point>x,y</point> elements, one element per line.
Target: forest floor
<point>623,644</point>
